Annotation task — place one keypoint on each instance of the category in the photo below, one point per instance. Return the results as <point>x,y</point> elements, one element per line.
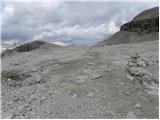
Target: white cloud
<point>78,31</point>
<point>50,5</point>
<point>8,11</point>
<point>66,20</point>
<point>112,27</point>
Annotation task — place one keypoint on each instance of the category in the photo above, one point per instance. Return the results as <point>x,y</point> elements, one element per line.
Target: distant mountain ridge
<point>28,47</point>
<point>143,27</point>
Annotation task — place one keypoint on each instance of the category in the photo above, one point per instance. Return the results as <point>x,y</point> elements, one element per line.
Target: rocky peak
<point>145,22</point>
<point>147,14</point>
<point>144,27</point>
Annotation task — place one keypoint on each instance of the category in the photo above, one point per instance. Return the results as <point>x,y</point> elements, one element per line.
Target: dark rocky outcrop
<point>143,27</point>
<point>26,47</point>
<point>30,46</point>
<point>145,22</point>
<point>7,52</point>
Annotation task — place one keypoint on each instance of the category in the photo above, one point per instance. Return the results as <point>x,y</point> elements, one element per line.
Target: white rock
<point>130,77</point>
<point>34,69</point>
<point>9,79</point>
<point>84,76</point>
<point>148,77</point>
<point>137,71</point>
<point>138,106</point>
<point>141,62</point>
<point>38,78</point>
<point>80,81</point>
<point>131,64</point>
<point>91,63</point>
<point>131,115</point>
<point>127,93</point>
<point>95,75</point>
<point>91,95</point>
<point>74,96</point>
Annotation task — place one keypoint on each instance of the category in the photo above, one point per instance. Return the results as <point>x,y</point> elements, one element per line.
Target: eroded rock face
<point>30,46</point>
<point>142,26</point>
<point>145,22</point>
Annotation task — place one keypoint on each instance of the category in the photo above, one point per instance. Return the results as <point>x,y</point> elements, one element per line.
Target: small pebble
<point>91,94</point>
<point>138,106</point>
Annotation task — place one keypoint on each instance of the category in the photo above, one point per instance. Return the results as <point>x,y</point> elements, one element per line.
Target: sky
<point>76,22</point>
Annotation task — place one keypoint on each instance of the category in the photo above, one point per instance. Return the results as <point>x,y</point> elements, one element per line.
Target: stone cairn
<point>136,70</point>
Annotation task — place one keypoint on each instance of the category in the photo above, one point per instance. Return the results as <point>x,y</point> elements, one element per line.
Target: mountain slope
<point>150,13</point>
<point>144,27</point>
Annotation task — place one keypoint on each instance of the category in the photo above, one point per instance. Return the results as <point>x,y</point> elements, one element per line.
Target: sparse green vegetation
<point>12,75</point>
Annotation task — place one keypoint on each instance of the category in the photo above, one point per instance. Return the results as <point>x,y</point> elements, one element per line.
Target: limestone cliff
<point>143,27</point>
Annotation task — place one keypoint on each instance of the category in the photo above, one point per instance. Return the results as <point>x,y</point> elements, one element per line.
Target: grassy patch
<point>12,75</point>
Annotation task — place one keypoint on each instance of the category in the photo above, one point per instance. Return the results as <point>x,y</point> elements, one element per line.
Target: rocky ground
<point>119,81</point>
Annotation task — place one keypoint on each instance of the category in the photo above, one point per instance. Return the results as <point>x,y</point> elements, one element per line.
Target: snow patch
<point>59,43</point>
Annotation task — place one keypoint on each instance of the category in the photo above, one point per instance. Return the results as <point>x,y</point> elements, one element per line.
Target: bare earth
<point>81,82</point>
